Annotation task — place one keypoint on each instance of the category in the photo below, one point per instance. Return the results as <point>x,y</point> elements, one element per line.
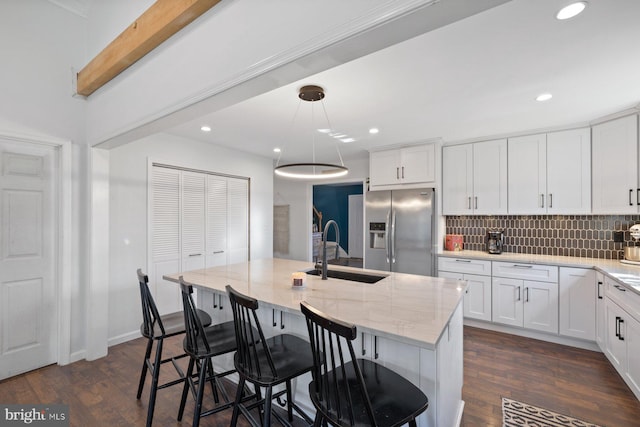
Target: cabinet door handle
<point>215,305</point>
<point>599,284</point>
<point>364,350</point>
<point>375,347</point>
<point>519,296</point>
<point>195,254</point>
<point>620,337</point>
<point>522,266</point>
<point>542,200</point>
<point>469,202</point>
<point>403,172</point>
<point>273,317</point>
<point>618,327</point>
<point>218,252</point>
<point>550,200</point>
<point>638,196</point>
<point>630,192</point>
<point>281,320</point>
<point>220,305</point>
<point>397,173</point>
<point>463,260</point>
<point>526,294</point>
<point>620,288</point>
<point>476,202</point>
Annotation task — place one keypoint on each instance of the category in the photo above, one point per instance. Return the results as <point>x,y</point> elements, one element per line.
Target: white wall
<point>128,212</point>
<point>40,44</point>
<point>298,195</point>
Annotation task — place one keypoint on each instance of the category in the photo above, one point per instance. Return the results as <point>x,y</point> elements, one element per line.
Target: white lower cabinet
<point>525,303</point>
<point>578,303</point>
<point>477,298</point>
<point>622,335</point>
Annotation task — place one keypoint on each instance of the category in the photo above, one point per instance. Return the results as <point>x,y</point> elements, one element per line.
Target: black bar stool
<point>155,328</point>
<point>356,392</point>
<point>202,344</point>
<point>265,362</point>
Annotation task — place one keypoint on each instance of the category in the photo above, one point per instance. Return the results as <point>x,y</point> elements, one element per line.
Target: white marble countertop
<point>626,274</point>
<point>414,308</point>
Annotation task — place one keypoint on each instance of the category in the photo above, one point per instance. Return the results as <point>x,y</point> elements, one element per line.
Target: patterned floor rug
<point>517,414</point>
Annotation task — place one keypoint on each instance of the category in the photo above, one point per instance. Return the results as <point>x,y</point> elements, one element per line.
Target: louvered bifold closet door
<point>237,220</point>
<point>193,220</point>
<point>216,221</point>
<point>165,236</point>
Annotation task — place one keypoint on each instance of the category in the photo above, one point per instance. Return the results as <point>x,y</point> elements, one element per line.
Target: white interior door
<point>28,285</point>
<point>356,226</point>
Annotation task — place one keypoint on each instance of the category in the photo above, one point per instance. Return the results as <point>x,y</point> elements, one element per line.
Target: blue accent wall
<point>333,202</point>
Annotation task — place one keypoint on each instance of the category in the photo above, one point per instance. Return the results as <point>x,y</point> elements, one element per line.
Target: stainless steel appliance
<point>399,235</point>
<point>495,241</point>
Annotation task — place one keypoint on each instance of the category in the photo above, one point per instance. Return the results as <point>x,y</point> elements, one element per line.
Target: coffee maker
<point>495,241</point>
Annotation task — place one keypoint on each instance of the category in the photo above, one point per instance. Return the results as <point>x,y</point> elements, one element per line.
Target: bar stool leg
<point>267,407</point>
<point>154,382</point>
<point>289,402</point>
<point>185,389</point>
<point>201,386</point>
<point>236,405</point>
<point>143,373</point>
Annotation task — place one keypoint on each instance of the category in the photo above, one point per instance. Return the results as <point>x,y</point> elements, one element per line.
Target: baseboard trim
<point>557,339</point>
<point>77,356</point>
<point>124,338</point>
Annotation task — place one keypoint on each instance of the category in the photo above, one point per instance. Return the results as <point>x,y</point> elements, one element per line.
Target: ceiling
<point>478,77</point>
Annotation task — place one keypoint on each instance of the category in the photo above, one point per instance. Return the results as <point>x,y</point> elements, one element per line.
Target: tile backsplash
<point>565,235</point>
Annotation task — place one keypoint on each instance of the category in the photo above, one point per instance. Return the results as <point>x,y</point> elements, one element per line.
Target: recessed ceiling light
<point>276,150</point>
<point>544,97</point>
<point>374,130</point>
<point>338,135</point>
<point>571,10</point>
<point>347,140</point>
<point>324,130</point>
<point>205,129</point>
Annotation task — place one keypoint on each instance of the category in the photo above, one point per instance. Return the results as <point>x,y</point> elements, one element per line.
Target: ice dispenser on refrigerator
<point>377,235</point>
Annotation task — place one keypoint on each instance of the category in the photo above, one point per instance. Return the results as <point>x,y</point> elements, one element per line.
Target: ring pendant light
<point>312,170</point>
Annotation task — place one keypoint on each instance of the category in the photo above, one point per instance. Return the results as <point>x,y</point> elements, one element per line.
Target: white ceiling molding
<point>78,7</point>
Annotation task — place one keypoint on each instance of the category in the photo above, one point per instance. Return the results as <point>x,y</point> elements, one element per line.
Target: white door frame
<point>64,232</point>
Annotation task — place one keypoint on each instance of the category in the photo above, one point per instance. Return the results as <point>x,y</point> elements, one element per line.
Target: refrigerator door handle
<point>387,245</point>
<point>393,236</point>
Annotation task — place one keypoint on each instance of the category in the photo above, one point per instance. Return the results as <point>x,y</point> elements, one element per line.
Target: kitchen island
<point>411,324</point>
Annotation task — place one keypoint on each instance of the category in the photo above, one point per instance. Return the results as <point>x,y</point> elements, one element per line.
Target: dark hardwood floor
<point>571,381</point>
<point>567,380</point>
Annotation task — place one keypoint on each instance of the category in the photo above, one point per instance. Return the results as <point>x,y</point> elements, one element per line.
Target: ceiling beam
<point>162,20</point>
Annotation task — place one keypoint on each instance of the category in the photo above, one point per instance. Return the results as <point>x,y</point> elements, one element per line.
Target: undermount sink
<point>349,275</point>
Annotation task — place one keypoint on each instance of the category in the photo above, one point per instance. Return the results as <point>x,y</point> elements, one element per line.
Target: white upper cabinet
<point>490,177</point>
<point>569,172</point>
<point>550,173</point>
<point>474,178</point>
<point>527,174</point>
<point>615,167</point>
<point>408,165</point>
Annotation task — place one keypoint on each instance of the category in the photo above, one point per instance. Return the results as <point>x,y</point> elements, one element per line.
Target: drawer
<point>464,265</point>
<point>623,296</point>
<point>515,270</point>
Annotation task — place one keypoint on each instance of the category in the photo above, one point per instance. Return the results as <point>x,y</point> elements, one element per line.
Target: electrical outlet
<point>618,236</point>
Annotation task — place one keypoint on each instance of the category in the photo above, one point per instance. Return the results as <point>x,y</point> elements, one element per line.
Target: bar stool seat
<point>265,363</point>
<point>351,392</point>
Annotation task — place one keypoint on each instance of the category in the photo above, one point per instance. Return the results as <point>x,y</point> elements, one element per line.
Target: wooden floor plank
<point>571,381</point>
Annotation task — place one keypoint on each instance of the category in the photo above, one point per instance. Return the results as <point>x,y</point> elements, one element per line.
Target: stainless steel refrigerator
<point>399,231</point>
